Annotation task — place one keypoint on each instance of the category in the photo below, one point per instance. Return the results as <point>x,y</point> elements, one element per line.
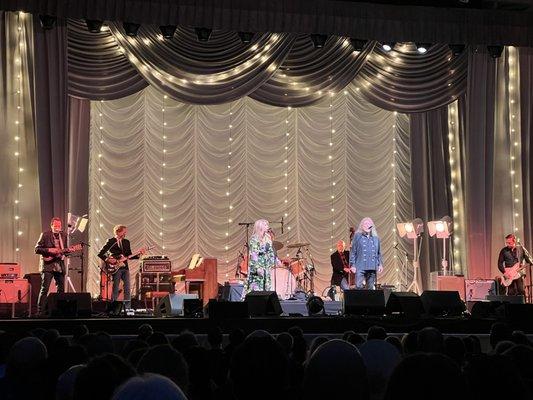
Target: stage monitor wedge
<point>363,302</point>
<point>68,305</point>
<point>407,304</point>
<point>441,303</point>
<point>172,305</point>
<point>263,303</point>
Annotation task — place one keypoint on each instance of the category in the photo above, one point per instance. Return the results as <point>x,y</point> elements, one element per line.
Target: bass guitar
<point>114,263</point>
<point>513,273</point>
<point>63,252</point>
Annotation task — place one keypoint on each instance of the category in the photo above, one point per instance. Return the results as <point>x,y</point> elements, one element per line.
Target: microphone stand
<point>529,260</point>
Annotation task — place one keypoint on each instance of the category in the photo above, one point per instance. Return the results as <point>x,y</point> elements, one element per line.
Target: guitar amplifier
<point>9,271</point>
<point>479,289</point>
<point>156,266</point>
<point>14,291</point>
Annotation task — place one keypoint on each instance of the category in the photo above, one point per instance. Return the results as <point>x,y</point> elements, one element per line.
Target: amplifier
<point>14,291</point>
<point>9,270</point>
<point>156,266</point>
<point>479,289</point>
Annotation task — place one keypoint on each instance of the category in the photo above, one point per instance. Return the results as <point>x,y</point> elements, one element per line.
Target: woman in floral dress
<point>262,258</point>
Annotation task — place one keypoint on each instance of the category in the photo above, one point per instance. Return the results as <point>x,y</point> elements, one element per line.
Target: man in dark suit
<point>51,263</point>
<point>118,249</point>
<point>341,268</point>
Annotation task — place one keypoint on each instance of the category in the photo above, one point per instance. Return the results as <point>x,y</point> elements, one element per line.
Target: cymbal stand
<point>310,268</point>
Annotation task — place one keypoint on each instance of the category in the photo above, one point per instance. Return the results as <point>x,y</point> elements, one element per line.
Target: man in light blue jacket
<point>365,254</point>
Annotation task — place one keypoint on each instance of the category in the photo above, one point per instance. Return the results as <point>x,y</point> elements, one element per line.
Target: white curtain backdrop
<point>161,167</point>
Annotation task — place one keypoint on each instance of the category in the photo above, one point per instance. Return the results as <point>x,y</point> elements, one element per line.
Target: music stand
<point>75,223</point>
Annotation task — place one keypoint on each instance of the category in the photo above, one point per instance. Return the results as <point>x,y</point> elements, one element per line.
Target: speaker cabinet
<point>441,303</point>
<point>506,299</point>
<point>222,310</point>
<point>263,303</point>
<point>479,289</point>
<point>172,305</point>
<point>363,302</point>
<point>408,304</point>
<point>14,291</point>
<point>68,305</point>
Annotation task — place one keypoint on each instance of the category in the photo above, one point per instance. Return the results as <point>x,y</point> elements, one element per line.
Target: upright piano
<point>203,277</point>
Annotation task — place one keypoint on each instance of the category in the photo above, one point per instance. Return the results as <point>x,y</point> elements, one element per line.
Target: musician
<point>262,258</point>
<point>341,268</point>
<point>365,254</point>
<point>509,256</point>
<point>118,248</point>
<point>51,263</point>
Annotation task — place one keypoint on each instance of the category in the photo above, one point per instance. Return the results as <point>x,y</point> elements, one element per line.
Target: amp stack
<point>13,289</point>
<point>155,277</point>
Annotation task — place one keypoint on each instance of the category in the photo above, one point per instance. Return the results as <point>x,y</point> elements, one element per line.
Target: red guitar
<point>61,252</point>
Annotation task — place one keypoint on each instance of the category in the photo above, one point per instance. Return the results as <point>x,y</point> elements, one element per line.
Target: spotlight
<point>456,49</point>
<point>423,47</point>
<point>168,31</point>
<point>388,46</point>
<point>358,44</point>
<point>131,28</point>
<point>495,51</point>
<point>318,40</point>
<point>443,228</point>
<point>411,229</point>
<point>47,21</point>
<point>93,25</point>
<point>203,34</point>
<point>246,37</point>
<point>315,306</point>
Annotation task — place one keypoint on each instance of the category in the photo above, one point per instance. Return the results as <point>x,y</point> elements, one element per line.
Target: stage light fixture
<point>203,34</point>
<point>411,229</point>
<point>47,21</point>
<point>131,28</point>
<point>168,31</point>
<point>315,306</point>
<point>442,229</point>
<point>456,49</point>
<point>93,25</point>
<point>246,37</point>
<point>423,47</point>
<point>318,40</point>
<point>495,51</point>
<point>358,44</point>
<point>388,46</point>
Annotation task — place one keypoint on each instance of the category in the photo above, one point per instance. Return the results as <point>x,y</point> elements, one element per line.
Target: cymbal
<point>296,245</point>
<point>277,245</point>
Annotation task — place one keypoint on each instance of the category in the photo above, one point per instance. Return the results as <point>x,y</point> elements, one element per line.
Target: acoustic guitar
<point>63,252</point>
<point>114,263</point>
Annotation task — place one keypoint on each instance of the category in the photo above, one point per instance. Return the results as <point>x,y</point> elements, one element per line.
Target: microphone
<point>282,224</point>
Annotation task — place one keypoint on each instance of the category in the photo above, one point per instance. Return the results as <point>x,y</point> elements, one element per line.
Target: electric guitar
<point>62,252</point>
<point>513,273</point>
<point>114,263</point>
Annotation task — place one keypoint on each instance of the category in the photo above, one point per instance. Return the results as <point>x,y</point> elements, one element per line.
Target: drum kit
<point>294,279</point>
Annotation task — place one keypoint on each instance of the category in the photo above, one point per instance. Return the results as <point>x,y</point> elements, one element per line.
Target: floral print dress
<point>262,259</point>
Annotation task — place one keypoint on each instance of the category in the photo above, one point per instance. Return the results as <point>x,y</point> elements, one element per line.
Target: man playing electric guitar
<point>510,264</point>
<point>51,248</point>
<point>117,251</point>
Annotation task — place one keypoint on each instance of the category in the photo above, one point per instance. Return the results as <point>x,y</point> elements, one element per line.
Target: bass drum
<point>283,282</point>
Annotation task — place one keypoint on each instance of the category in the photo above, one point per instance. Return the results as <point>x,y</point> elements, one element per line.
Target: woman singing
<point>262,258</point>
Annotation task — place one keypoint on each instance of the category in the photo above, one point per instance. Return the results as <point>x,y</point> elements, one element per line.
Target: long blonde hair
<point>373,231</point>
<point>260,230</point>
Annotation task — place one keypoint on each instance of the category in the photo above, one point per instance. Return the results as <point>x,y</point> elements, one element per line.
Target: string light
<point>515,143</point>
<point>286,173</point>
<point>163,166</point>
<point>457,246</point>
<point>332,173</point>
<point>394,194</point>
<point>228,191</point>
<point>99,165</point>
<point>19,122</point>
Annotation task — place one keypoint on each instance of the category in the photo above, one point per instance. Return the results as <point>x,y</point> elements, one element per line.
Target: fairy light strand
<point>394,166</point>
<point>228,190</point>
<point>18,126</point>
<point>332,172</point>
<point>163,167</point>
<point>286,173</point>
